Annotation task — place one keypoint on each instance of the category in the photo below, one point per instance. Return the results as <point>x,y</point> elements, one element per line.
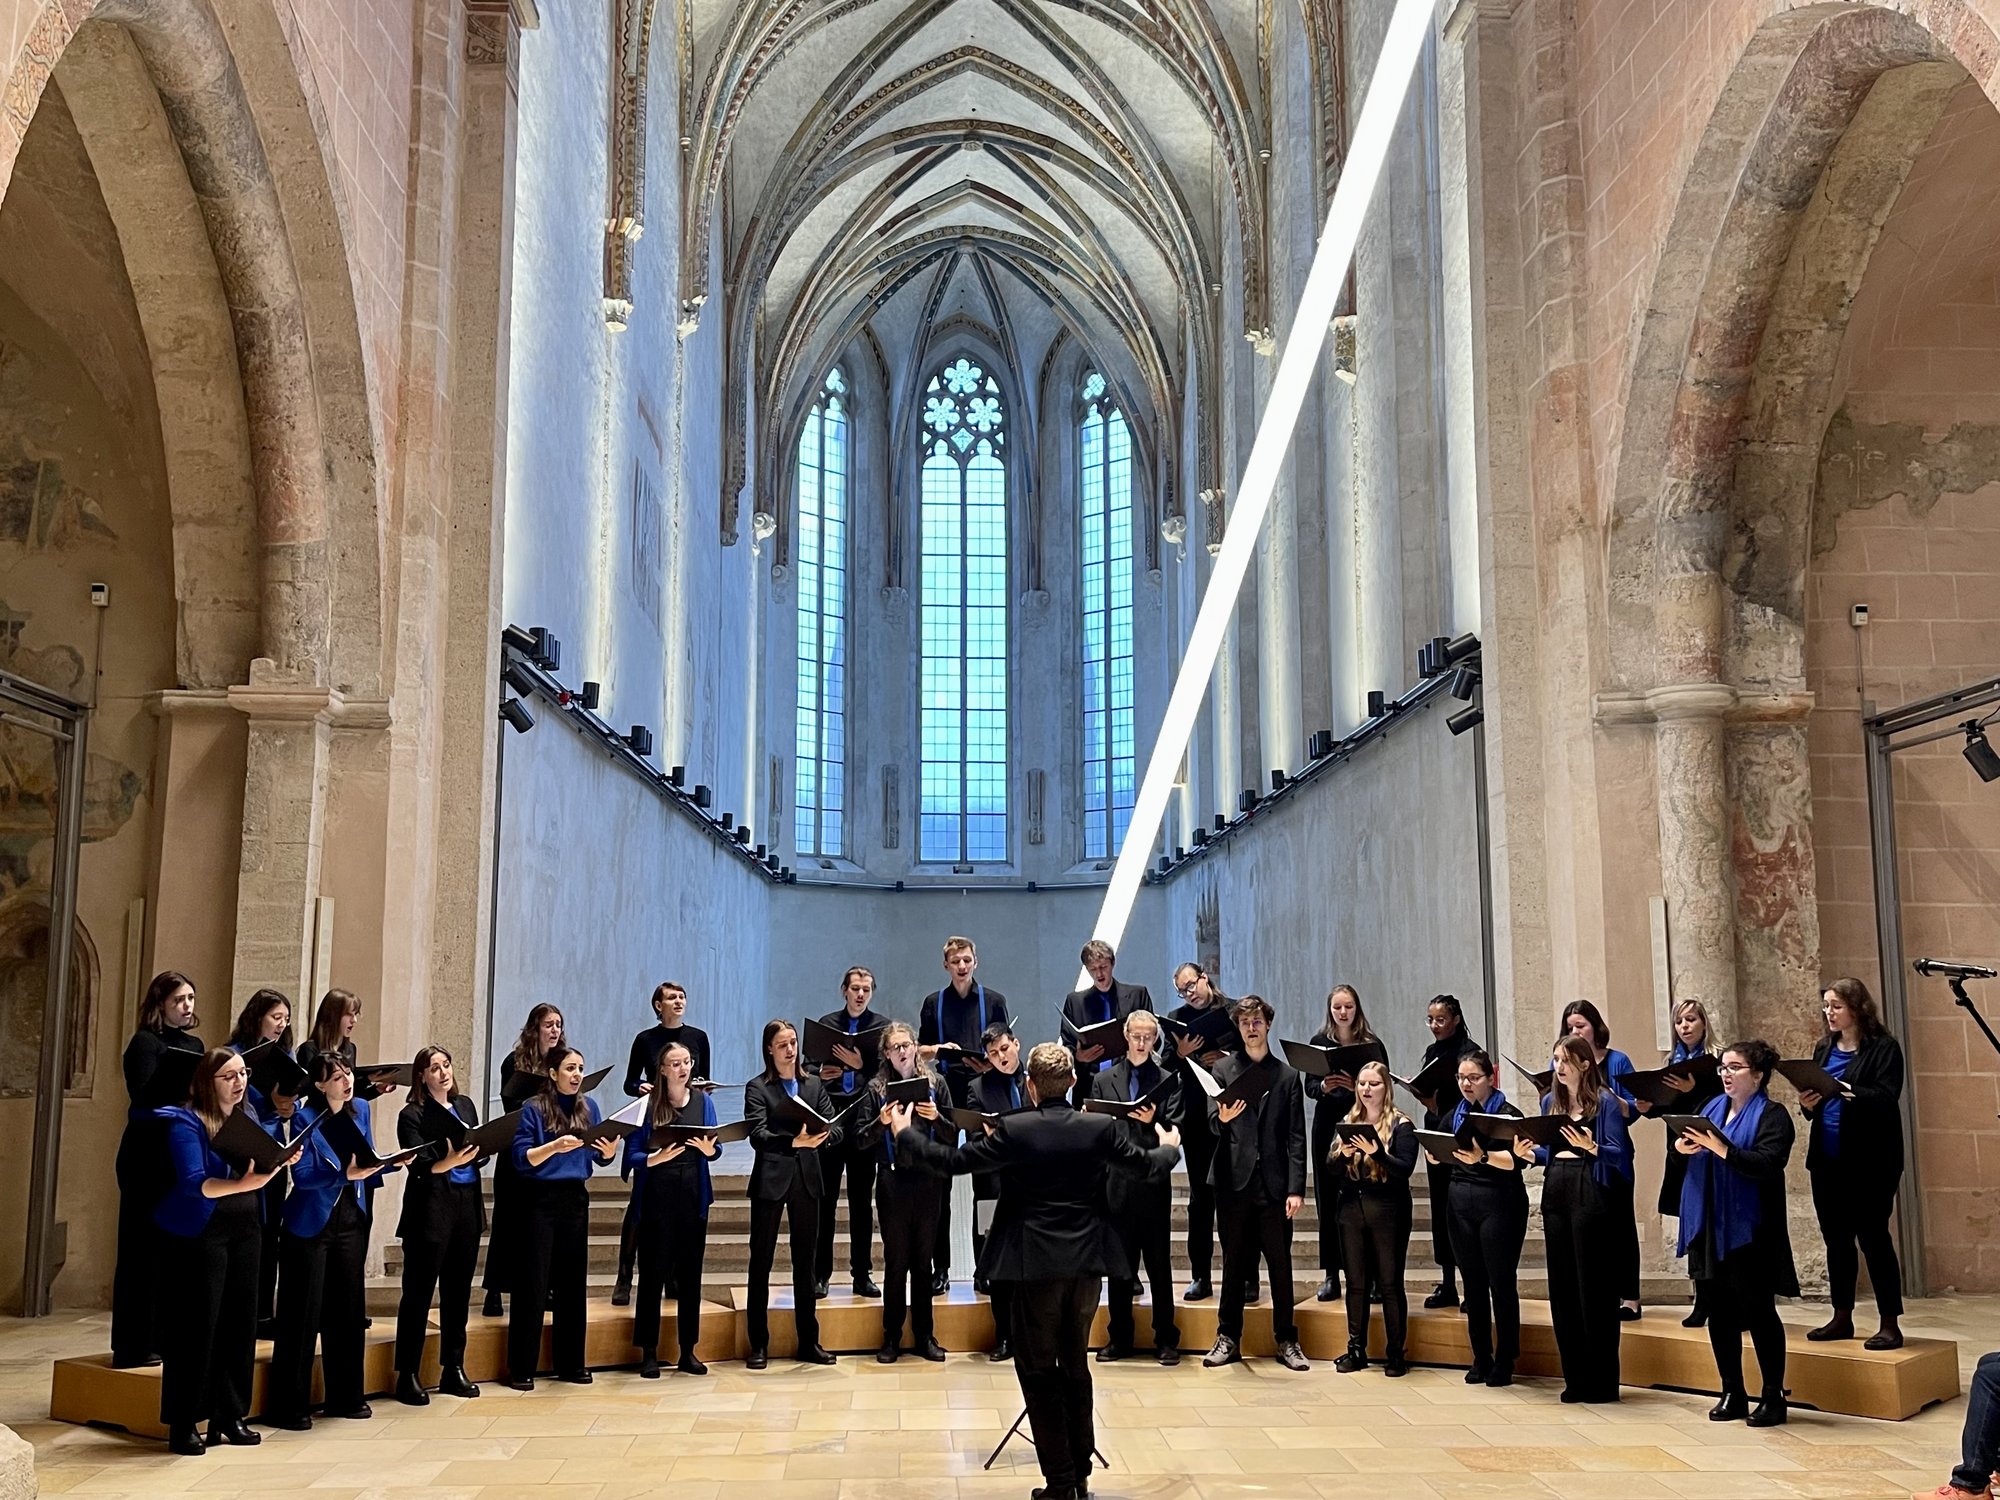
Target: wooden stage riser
<point>1657,1352</point>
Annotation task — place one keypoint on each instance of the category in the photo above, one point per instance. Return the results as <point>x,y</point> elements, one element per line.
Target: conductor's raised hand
<point>1170,1137</point>
<point>898,1116</point>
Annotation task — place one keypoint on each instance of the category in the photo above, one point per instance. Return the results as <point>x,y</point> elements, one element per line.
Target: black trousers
<point>209,1327</point>
<point>506,1234</point>
<point>268,1257</point>
<point>1855,1209</point>
<point>673,1242</point>
<point>1326,1195</point>
<point>802,1209</point>
<point>1253,1225</point>
<point>628,1236</point>
<point>135,1330</point>
<point>1374,1246</point>
<point>1578,1219</point>
<point>1146,1230</point>
<point>321,1303</point>
<point>859,1168</point>
<point>552,1244</point>
<point>439,1260</point>
<point>1199,1148</point>
<point>1736,1307</point>
<point>1051,1323</point>
<point>1489,1224</point>
<point>1625,1228</point>
<point>1439,1180</point>
<point>911,1201</point>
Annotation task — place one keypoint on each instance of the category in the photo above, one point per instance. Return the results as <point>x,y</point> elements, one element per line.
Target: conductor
<point>1051,1245</point>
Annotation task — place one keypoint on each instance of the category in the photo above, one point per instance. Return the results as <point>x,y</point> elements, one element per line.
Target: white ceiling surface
<point>1091,207</point>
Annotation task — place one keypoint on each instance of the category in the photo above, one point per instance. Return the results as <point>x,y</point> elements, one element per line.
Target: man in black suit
<point>1259,1173</point>
<point>1052,1244</point>
<point>957,1016</point>
<point>1107,999</point>
<point>845,1082</point>
<point>1142,1208</point>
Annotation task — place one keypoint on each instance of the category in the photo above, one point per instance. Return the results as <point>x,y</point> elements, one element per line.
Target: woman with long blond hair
<point>1374,1216</point>
<point>1692,1039</point>
<point>908,1199</point>
<point>1346,1025</point>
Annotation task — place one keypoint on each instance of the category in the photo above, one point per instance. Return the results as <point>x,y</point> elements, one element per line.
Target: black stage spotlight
<point>515,712</point>
<point>1200,837</point>
<point>1277,780</point>
<point>703,796</point>
<point>1180,853</point>
<point>728,821</point>
<point>1432,657</point>
<point>547,649</point>
<point>762,850</point>
<point>1378,703</point>
<point>1464,719</point>
<point>772,862</point>
<point>1464,682</point>
<point>1979,754</point>
<point>1165,864</point>
<point>640,740</point>
<point>1246,800</point>
<point>514,638</point>
<point>521,678</point>
<point>588,697</point>
<point>678,775</point>
<point>743,834</point>
<point>1220,822</point>
<point>1321,745</point>
<point>1459,647</point>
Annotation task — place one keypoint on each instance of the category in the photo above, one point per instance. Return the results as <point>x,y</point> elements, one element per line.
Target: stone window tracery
<point>1110,779</point>
<point>819,801</point>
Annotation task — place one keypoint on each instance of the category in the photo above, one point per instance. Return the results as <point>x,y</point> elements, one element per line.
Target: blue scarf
<point>1684,1053</point>
<point>1713,1196</point>
<point>1495,1102</point>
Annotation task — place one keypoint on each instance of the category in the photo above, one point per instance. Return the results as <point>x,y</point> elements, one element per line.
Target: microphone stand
<point>1965,1000</point>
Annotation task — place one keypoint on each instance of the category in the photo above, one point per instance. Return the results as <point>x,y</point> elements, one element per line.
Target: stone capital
<point>1679,701</point>
<point>176,702</point>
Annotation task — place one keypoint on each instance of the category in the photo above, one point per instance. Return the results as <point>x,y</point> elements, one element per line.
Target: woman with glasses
<point>1733,1232</point>
<point>1489,1224</point>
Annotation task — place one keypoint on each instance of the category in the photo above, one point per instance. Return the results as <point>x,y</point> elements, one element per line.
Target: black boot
<point>186,1442</point>
<point>649,1364</point>
<point>1771,1410</point>
<point>410,1392</point>
<point>1733,1407</point>
<point>492,1307</point>
<point>452,1381</point>
<point>1356,1358</point>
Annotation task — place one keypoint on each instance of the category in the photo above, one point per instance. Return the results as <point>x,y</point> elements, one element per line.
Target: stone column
<point>1692,788</point>
<point>284,820</point>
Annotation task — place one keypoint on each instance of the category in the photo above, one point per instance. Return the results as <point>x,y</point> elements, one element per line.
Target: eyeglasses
<point>1730,1067</point>
<point>1187,989</point>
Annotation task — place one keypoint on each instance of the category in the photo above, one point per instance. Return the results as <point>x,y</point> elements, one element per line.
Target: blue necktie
<point>1014,1089</point>
<point>792,1087</point>
<point>1133,1096</point>
<point>847,1075</point>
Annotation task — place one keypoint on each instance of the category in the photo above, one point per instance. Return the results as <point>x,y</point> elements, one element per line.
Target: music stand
<point>1015,1430</point>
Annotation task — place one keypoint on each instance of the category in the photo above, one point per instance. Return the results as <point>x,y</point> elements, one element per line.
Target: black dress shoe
<point>815,1355</point>
<point>1329,1290</point>
<point>1696,1318</point>
<point>578,1377</point>
<point>1627,1314</point>
<point>452,1381</point>
<point>237,1433</point>
<point>940,1285</point>
<point>283,1424</point>
<point>1770,1412</point>
<point>1888,1338</point>
<point>1839,1326</point>
<point>1395,1367</point>
<point>492,1307</point>
<point>186,1442</point>
<point>1446,1295</point>
<point>1198,1290</point>
<point>1733,1407</point>
<point>1002,1352</point>
<point>525,1383</point>
<point>757,1359</point>
<point>689,1365</point>
<point>1252,1292</point>
<point>621,1294</point>
<point>359,1412</point>
<point>1503,1374</point>
<point>982,1286</point>
<point>933,1351</point>
<point>1477,1374</point>
<point>410,1391</point>
<point>1110,1354</point>
<point>649,1365</point>
<point>819,1289</point>
<point>134,1361</point>
<point>888,1353</point>
<point>1055,1492</point>
<point>864,1286</point>
<point>1170,1356</point>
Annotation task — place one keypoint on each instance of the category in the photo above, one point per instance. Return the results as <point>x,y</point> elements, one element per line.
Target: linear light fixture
<point>1402,46</point>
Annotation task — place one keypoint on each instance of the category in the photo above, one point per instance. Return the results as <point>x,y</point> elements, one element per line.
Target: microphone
<point>1944,968</point>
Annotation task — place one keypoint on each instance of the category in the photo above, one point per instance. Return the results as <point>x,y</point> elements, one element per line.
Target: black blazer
<point>1765,1264</point>
<point>1281,1134</point>
<point>1399,1160</point>
<point>1454,1047</point>
<point>906,1170</point>
<point>424,1213</point>
<point>778,1165</point>
<point>992,1095</point>
<point>1051,1222</point>
<point>1231,1040</point>
<point>1871,1123</point>
<point>1127,1192</point>
<point>837,1019</point>
<point>1126,998</point>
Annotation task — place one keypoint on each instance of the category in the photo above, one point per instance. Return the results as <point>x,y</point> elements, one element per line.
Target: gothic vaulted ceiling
<point>885,172</point>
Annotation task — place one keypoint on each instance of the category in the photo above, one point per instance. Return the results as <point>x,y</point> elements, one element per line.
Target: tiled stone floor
<point>862,1431</point>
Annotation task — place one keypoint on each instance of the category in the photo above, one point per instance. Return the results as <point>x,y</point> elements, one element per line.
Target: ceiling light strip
<point>1403,45</point>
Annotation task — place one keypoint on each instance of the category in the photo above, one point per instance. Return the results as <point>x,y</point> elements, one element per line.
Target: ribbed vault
<point>1059,173</point>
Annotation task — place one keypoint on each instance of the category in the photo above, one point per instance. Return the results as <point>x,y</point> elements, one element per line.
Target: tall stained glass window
<point>1110,781</point>
<point>820,790</point>
<point>963,713</point>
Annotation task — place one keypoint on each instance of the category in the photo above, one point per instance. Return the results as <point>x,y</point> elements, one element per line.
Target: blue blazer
<point>568,1166</point>
<point>183,1211</point>
<point>320,1176</point>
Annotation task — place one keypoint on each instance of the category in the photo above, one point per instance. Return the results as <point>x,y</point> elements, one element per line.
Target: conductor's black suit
<point>1051,1241</point>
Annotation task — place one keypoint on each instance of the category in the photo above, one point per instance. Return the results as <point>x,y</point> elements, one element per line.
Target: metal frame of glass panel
<point>819,800</point>
<point>1110,766</point>
<point>962,710</point>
